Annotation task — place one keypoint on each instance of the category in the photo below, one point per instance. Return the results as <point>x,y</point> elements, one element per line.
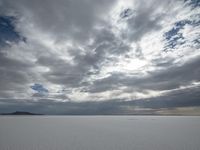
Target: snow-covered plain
<point>99,133</point>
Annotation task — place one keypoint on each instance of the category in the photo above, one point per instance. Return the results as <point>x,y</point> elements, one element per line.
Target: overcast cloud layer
<point>100,56</point>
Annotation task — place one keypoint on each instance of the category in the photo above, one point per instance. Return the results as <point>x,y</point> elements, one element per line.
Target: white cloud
<point>71,45</point>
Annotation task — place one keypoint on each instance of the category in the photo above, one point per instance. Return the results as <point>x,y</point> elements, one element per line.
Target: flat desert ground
<point>99,133</point>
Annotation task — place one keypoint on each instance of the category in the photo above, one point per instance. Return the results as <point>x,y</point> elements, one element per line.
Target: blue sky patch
<point>126,13</point>
<point>174,36</point>
<point>39,88</point>
<point>7,31</point>
<point>193,3</point>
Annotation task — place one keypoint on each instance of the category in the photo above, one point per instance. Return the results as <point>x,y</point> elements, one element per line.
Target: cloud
<point>169,102</point>
<point>144,20</point>
<point>98,52</point>
<point>163,79</point>
<point>61,17</point>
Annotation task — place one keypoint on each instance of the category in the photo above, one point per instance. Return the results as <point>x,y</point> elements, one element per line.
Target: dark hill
<point>20,113</point>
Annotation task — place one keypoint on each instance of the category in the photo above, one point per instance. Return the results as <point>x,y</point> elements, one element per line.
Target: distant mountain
<point>20,113</point>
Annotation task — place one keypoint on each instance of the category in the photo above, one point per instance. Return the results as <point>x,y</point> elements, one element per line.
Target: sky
<point>100,57</point>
